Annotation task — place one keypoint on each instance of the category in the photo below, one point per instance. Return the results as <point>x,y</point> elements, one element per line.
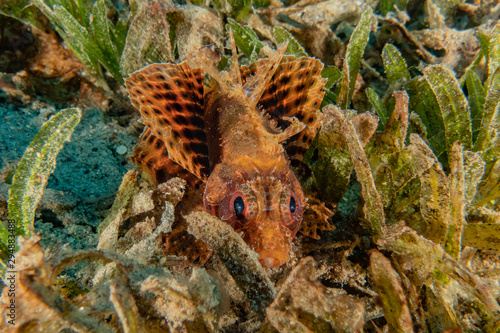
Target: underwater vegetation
<point>402,180</point>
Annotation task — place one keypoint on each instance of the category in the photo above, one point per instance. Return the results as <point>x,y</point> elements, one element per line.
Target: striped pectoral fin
<point>180,243</point>
<point>295,90</point>
<point>151,155</point>
<point>170,99</point>
<point>315,218</point>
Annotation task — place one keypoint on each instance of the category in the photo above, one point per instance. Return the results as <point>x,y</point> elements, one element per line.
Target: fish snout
<point>273,246</point>
<point>273,258</point>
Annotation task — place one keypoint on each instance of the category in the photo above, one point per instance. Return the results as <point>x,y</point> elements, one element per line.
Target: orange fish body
<point>237,133</point>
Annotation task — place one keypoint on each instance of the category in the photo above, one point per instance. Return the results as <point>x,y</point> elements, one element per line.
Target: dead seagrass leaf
<point>460,46</point>
<point>187,307</point>
<point>446,277</point>
<point>148,37</point>
<point>38,306</point>
<point>239,258</point>
<point>457,201</point>
<point>303,305</point>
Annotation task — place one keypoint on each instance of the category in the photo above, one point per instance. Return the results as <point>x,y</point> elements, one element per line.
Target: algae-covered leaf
<point>394,64</point>
<point>241,9</point>
<point>412,162</point>
<point>365,125</point>
<point>373,208</point>
<point>34,169</point>
<point>476,97</point>
<point>147,39</point>
<point>489,132</point>
<point>100,28</point>
<point>194,28</point>
<point>188,306</point>
<point>77,36</point>
<point>440,312</point>
<point>386,6</point>
<point>434,204</point>
<point>377,105</point>
<point>329,98</point>
<point>483,236</point>
<point>452,104</point>
<point>332,74</point>
<point>417,125</point>
<point>109,227</point>
<point>484,40</point>
<point>246,39</point>
<point>88,32</point>
<point>493,52</point>
<point>457,201</point>
<point>354,54</point>
<point>489,188</point>
<point>80,9</point>
<point>397,126</point>
<point>334,166</point>
<point>40,307</point>
<point>388,285</point>
<point>23,11</point>
<point>119,35</point>
<point>261,3</point>
<point>394,166</point>
<point>474,170</point>
<point>294,47</point>
<point>423,102</point>
<point>477,60</point>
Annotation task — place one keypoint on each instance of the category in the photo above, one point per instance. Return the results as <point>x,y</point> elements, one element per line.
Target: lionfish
<point>236,131</point>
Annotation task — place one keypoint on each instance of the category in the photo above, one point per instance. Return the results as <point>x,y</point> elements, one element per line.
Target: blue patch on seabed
<point>87,167</point>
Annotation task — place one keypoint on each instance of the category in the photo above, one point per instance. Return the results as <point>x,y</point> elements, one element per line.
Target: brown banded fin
<point>170,99</point>
<point>262,73</point>
<point>180,243</point>
<point>315,218</point>
<point>151,155</point>
<point>295,90</point>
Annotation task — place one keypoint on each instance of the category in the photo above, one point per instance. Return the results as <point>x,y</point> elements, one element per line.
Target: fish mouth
<point>273,258</point>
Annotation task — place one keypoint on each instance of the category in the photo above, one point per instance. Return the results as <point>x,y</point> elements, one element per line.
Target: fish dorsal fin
<point>207,58</point>
<point>264,70</point>
<point>294,90</point>
<point>234,71</point>
<point>170,99</point>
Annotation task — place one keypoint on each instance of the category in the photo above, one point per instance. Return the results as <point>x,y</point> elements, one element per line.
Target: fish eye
<point>291,210</point>
<point>239,207</point>
<point>292,205</point>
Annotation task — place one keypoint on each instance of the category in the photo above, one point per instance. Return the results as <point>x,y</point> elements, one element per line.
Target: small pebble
<point>121,150</point>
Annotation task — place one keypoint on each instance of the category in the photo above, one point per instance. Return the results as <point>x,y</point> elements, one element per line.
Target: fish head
<point>265,207</point>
